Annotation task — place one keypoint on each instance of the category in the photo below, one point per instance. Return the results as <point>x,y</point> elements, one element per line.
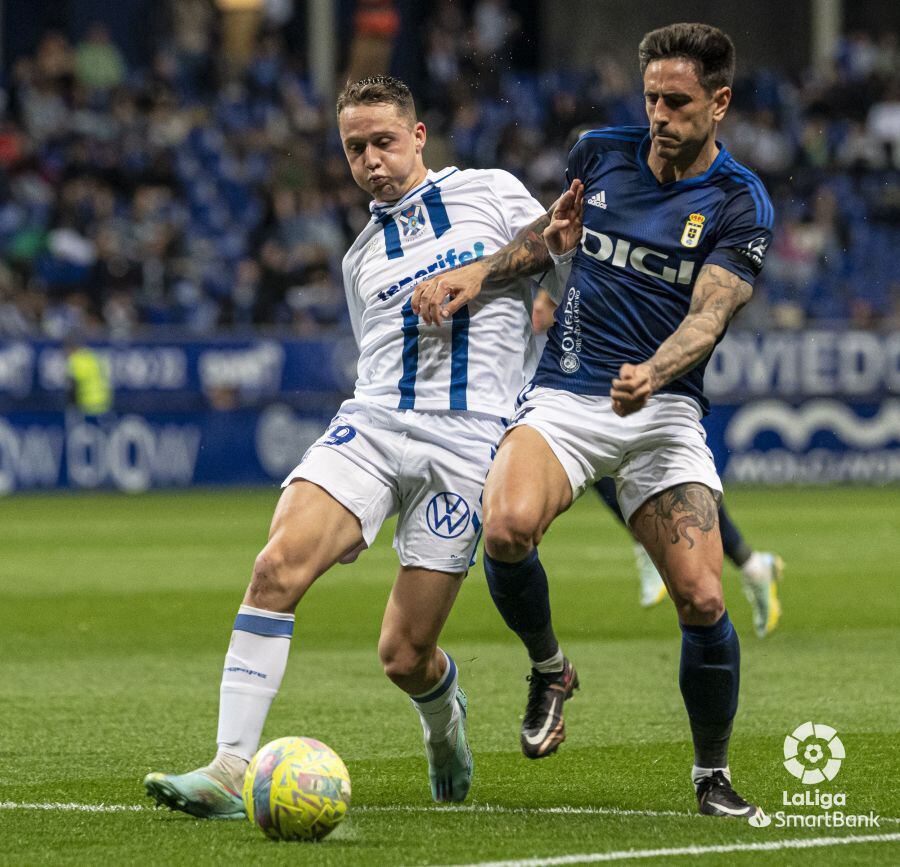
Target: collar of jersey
<point>431,178</point>
<point>647,172</point>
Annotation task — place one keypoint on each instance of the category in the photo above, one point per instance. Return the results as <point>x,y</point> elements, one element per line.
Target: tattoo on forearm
<point>718,295</point>
<point>674,513</point>
<point>525,255</point>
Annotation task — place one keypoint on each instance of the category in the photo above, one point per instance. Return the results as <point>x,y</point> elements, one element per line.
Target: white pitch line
<point>485,809</point>
<point>58,806</point>
<point>635,854</point>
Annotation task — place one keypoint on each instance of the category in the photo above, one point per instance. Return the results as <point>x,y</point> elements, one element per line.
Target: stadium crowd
<point>200,196</point>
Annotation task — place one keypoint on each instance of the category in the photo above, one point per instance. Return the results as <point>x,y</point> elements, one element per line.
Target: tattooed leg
<point>680,530</point>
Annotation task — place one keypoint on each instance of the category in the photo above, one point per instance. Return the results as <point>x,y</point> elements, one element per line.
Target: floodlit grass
<point>115,613</point>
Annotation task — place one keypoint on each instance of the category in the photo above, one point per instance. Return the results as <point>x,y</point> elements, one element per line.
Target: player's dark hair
<point>711,51</point>
<point>378,90</point>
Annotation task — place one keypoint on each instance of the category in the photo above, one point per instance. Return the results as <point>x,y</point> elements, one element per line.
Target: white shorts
<point>427,467</point>
<point>659,446</point>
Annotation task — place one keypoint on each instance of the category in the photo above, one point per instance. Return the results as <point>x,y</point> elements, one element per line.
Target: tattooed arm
<point>718,295</point>
<point>524,256</point>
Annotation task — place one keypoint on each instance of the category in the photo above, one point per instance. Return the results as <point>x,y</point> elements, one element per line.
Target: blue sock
<point>606,488</point>
<point>709,678</point>
<point>522,597</point>
<point>736,549</point>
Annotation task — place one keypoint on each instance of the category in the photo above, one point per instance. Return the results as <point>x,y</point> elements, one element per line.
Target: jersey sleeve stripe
<point>440,222</point>
<point>756,183</point>
<point>765,213</point>
<point>407,384</point>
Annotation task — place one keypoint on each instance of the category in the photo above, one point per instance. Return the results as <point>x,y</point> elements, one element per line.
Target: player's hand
<point>564,231</point>
<point>634,387</point>
<point>461,285</point>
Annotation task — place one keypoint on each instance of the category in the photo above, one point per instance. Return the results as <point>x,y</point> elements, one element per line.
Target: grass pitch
<point>115,614</point>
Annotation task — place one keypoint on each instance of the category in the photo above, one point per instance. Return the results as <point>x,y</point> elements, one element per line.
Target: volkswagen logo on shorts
<point>570,362</point>
<point>447,514</point>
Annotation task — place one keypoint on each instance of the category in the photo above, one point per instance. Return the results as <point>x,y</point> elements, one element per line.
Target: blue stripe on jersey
<point>414,191</point>
<point>440,222</point>
<point>757,193</point>
<point>459,361</point>
<point>264,625</point>
<point>407,384</point>
<point>765,213</point>
<point>753,182</point>
<point>729,170</point>
<point>391,237</point>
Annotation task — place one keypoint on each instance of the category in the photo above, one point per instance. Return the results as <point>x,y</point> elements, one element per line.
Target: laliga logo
<point>813,753</point>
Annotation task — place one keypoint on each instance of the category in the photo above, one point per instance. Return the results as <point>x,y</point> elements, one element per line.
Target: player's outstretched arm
<point>525,255</point>
<point>718,295</point>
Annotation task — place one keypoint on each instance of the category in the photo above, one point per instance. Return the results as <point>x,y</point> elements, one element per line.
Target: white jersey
<point>481,359</point>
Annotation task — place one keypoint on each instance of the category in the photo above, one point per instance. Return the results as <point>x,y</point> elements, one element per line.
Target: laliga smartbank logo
<point>813,754</point>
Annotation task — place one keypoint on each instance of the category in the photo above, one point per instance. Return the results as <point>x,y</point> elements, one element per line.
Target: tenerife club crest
<point>413,220</point>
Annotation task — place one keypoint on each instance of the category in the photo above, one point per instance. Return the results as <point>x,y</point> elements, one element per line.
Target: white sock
<point>553,664</point>
<point>756,568</point>
<point>698,774</point>
<point>254,667</point>
<point>437,708</point>
<point>228,768</point>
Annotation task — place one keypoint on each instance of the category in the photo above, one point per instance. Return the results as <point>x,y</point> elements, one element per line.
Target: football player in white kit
<point>416,440</point>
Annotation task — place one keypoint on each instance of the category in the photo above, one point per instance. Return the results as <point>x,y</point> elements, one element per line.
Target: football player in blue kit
<point>665,233</point>
<point>761,571</point>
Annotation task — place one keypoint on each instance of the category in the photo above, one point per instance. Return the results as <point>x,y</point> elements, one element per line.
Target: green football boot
<point>450,767</point>
<point>761,574</point>
<point>198,793</point>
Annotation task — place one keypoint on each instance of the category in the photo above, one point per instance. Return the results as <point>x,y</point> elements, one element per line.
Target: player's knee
<point>701,603</point>
<point>275,585</point>
<point>511,534</point>
<point>403,660</point>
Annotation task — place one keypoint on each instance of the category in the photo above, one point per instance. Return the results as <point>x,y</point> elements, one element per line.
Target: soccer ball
<point>296,789</point>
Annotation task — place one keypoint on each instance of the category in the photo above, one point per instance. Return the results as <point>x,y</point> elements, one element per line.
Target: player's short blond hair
<point>378,90</point>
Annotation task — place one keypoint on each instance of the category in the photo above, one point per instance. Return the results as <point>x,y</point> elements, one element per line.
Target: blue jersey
<point>643,246</point>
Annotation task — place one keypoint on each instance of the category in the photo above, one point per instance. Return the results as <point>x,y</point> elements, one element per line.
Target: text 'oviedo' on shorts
<point>661,445</point>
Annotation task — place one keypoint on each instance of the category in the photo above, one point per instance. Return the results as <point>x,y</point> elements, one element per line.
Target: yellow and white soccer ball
<point>296,789</point>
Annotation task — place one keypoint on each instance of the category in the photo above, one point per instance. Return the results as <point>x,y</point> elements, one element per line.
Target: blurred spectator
<point>98,63</point>
<point>194,194</point>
